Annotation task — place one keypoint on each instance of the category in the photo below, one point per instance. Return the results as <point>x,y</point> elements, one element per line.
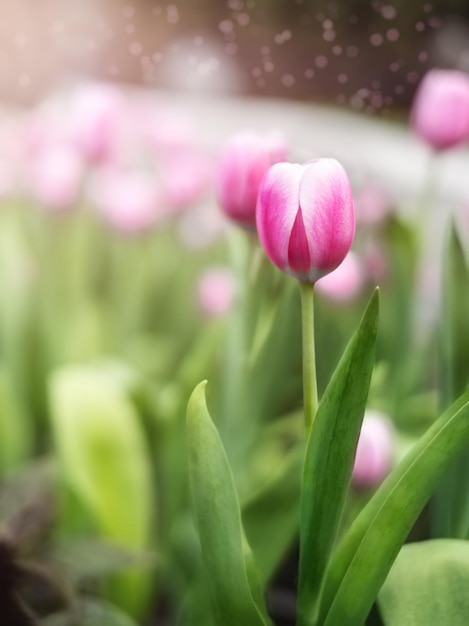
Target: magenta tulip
<point>306,217</point>
<point>440,112</point>
<point>243,162</point>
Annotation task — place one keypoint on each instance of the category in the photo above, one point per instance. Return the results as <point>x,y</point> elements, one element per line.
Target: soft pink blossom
<point>375,450</point>
<point>345,282</point>
<point>55,176</point>
<point>372,204</point>
<point>96,119</point>
<point>440,111</point>
<point>186,177</point>
<point>306,218</point>
<point>128,201</point>
<point>216,291</point>
<point>243,162</point>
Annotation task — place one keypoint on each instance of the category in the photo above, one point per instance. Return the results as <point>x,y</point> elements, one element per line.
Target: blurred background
<point>367,55</point>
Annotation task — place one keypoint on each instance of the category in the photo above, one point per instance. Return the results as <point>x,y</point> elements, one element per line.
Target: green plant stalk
<point>310,389</point>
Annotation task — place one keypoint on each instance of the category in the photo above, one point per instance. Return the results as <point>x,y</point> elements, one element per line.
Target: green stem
<point>310,390</point>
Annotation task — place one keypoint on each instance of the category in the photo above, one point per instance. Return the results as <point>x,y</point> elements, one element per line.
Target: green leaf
<point>92,558</point>
<point>451,503</point>
<point>90,612</point>
<point>455,338</point>
<point>218,518</point>
<point>271,515</point>
<point>427,585</point>
<point>362,561</point>
<point>329,459</point>
<point>104,458</point>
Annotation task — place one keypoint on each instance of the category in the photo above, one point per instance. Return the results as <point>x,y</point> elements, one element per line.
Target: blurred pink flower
<point>216,291</point>
<point>243,162</point>
<point>372,204</point>
<point>96,119</point>
<point>128,201</point>
<point>375,450</point>
<point>345,282</point>
<point>440,111</point>
<point>186,177</point>
<point>305,217</point>
<point>55,177</point>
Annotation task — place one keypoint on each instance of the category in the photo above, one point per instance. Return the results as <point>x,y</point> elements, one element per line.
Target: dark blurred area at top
<point>369,56</point>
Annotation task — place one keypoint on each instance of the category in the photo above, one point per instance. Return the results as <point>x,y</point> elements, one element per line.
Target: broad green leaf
<point>103,455</point>
<point>427,585</point>
<point>362,561</point>
<point>330,453</point>
<point>451,503</point>
<point>90,612</point>
<point>271,515</point>
<point>218,519</point>
<point>92,558</point>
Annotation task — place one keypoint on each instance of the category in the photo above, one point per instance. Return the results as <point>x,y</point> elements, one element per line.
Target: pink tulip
<point>440,112</point>
<point>128,201</point>
<point>344,282</point>
<point>306,217</point>
<point>243,162</point>
<point>185,179</point>
<point>375,450</point>
<point>216,291</point>
<point>96,118</point>
<point>56,175</point>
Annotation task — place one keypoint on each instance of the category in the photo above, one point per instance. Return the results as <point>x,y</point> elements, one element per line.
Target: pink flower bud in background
<point>440,112</point>
<point>372,204</point>
<point>306,218</point>
<point>129,201</point>
<point>97,115</point>
<point>375,450</point>
<point>216,291</point>
<point>55,178</point>
<point>243,162</point>
<point>345,282</point>
<point>185,179</point>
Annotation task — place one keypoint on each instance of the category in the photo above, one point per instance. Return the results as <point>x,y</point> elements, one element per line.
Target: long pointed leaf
<point>329,458</point>
<point>218,518</point>
<point>363,559</point>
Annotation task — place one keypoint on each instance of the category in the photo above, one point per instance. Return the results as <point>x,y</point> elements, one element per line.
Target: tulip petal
<point>298,250</point>
<point>328,213</point>
<point>277,209</point>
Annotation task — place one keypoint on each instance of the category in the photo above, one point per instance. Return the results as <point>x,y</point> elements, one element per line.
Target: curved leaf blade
<point>363,559</point>
<point>427,585</point>
<point>218,518</point>
<point>329,458</point>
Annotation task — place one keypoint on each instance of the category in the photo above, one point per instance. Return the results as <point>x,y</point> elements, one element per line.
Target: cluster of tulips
<point>213,372</point>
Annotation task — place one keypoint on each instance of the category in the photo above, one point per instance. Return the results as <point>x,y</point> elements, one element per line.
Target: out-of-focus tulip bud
<point>97,115</point>
<point>55,178</point>
<point>185,179</point>
<point>440,112</point>
<point>243,162</point>
<point>129,201</point>
<point>306,217</point>
<point>372,204</point>
<point>216,291</point>
<point>375,450</point>
<point>345,282</point>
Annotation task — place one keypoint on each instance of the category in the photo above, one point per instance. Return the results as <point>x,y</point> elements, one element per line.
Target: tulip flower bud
<point>375,450</point>
<point>306,217</point>
<point>243,162</point>
<point>216,291</point>
<point>440,112</point>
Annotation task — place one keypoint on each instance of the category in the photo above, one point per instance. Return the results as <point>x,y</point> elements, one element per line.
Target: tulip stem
<point>310,390</point>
